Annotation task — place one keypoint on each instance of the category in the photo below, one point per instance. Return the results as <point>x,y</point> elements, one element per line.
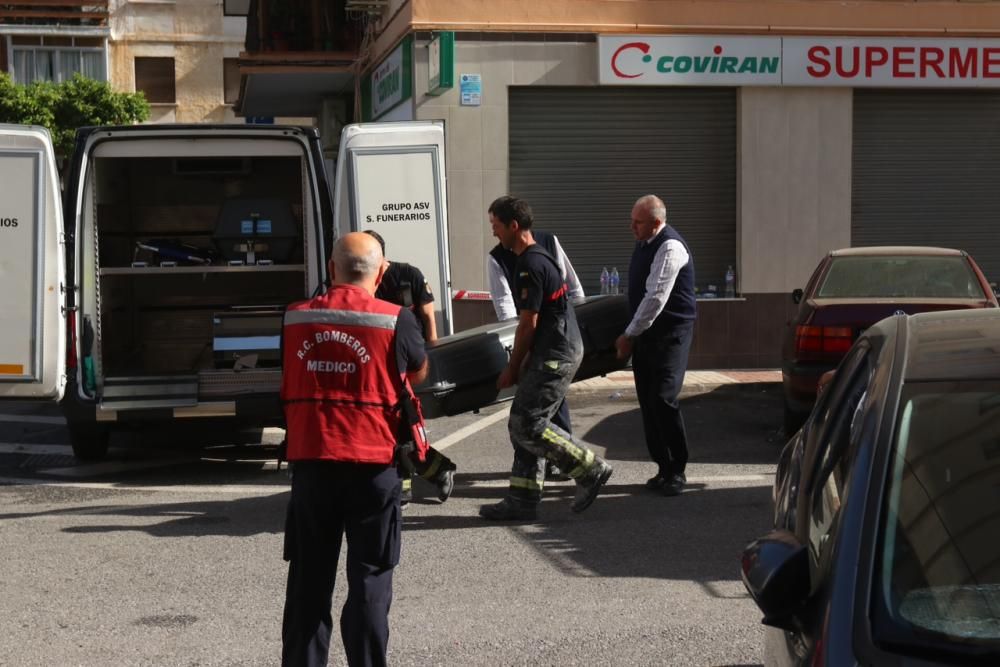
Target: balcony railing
<point>302,26</point>
<point>55,12</point>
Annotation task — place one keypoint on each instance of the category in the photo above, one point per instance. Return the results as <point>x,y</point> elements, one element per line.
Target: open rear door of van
<point>391,179</point>
<point>32,267</point>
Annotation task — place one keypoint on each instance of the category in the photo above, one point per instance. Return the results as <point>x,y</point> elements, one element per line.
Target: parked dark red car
<point>854,288</point>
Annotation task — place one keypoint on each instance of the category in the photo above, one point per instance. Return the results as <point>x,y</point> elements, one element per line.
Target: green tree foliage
<point>64,107</point>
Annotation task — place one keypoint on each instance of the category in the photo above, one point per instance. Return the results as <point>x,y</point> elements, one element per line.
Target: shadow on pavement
<point>241,517</point>
<point>731,424</point>
<point>630,532</point>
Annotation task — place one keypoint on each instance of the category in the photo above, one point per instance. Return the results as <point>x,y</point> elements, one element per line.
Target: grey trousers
<point>540,391</point>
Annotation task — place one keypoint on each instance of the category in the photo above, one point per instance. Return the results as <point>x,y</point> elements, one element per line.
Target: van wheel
<point>89,441</point>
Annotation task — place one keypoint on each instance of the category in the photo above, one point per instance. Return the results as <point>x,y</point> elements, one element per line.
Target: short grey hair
<point>655,206</point>
<point>354,267</point>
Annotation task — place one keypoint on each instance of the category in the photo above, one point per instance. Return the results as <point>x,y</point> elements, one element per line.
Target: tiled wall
<point>741,333</point>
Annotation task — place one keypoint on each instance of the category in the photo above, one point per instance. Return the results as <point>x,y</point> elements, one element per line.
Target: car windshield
<point>900,276</point>
<point>938,570</point>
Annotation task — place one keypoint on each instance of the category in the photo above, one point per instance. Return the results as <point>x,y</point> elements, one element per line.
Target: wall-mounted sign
<point>471,89</point>
<point>892,62</point>
<point>883,62</point>
<point>390,83</point>
<point>441,63</point>
<point>689,60</point>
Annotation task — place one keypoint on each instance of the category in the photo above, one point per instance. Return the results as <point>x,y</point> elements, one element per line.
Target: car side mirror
<point>775,571</point>
<point>796,295</point>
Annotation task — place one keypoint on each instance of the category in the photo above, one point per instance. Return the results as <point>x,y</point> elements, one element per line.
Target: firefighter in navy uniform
<point>348,361</point>
<point>404,285</point>
<point>547,353</point>
<point>500,267</point>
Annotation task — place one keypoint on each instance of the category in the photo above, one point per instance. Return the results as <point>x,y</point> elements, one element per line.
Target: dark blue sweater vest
<point>681,306</point>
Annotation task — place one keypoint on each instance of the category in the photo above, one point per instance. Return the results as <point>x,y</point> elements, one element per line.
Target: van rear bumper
<point>245,410</point>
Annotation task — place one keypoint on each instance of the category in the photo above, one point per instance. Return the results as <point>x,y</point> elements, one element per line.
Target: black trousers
<point>561,418</point>
<point>658,365</point>
<point>331,499</point>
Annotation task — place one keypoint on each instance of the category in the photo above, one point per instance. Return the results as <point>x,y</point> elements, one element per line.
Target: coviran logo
<point>717,63</point>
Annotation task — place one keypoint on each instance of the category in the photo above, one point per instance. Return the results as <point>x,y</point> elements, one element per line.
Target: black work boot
<point>406,493</point>
<point>445,483</point>
<point>554,473</point>
<point>588,486</point>
<point>509,509</point>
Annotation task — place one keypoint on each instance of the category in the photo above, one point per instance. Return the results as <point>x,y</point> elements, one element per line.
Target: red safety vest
<point>340,384</point>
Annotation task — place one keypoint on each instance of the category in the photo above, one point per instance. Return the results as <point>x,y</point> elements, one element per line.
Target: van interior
<point>195,259</point>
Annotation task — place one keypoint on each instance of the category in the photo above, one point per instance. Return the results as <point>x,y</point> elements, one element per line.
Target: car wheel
<point>89,441</point>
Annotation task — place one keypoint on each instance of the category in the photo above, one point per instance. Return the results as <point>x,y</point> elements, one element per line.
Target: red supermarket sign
<point>898,62</point>
<point>799,61</point>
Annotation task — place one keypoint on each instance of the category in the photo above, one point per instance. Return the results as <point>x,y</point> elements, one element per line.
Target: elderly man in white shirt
<point>662,302</point>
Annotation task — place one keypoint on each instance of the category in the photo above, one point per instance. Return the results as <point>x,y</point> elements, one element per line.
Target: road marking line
<point>29,448</point>
<point>466,431</point>
<point>733,478</point>
<point>246,489</point>
<point>33,419</point>
<point>763,480</point>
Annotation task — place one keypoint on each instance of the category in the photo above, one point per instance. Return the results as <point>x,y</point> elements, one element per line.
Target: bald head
<point>654,206</point>
<point>357,260</point>
<point>648,214</point>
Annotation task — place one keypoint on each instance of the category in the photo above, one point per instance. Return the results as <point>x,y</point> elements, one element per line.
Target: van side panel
<point>32,297</point>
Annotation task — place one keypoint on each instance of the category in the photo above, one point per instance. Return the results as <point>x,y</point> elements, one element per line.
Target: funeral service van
<point>150,287</point>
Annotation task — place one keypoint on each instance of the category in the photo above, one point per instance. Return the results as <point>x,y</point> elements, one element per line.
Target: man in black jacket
<point>547,353</point>
<point>404,285</point>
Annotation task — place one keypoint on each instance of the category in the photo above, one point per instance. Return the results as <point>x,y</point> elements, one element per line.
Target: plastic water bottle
<point>614,281</point>
<point>605,278</point>
<point>730,282</point>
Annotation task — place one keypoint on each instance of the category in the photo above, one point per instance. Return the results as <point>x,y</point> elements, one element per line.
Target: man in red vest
<point>348,361</point>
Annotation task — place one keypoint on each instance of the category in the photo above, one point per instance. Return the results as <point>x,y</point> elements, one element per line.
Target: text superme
<point>904,61</point>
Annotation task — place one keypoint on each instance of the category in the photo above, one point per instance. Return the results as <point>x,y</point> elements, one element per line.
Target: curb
<point>695,382</point>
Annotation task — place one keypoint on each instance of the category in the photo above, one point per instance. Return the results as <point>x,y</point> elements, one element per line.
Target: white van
<point>162,297</point>
<point>154,288</point>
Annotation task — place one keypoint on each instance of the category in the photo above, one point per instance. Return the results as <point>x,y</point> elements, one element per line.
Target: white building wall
<point>794,177</point>
<point>477,137</point>
<point>794,171</point>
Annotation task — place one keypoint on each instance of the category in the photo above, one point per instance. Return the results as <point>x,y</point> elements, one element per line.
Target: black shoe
<point>588,487</point>
<point>509,510</point>
<point>445,482</point>
<point>656,483</point>
<point>674,485</point>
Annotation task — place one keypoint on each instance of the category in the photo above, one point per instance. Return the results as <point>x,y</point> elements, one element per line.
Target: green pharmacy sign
<point>390,83</point>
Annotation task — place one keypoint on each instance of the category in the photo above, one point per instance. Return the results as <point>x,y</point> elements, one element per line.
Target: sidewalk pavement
<point>695,382</point>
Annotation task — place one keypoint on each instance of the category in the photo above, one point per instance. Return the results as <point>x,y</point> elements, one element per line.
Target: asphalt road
<point>171,555</point>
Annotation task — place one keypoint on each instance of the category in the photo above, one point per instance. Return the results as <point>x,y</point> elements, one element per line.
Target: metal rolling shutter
<point>926,171</point>
<point>582,156</point>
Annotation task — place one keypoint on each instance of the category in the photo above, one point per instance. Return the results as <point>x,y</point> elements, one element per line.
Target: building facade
<point>183,54</point>
<point>775,132</point>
